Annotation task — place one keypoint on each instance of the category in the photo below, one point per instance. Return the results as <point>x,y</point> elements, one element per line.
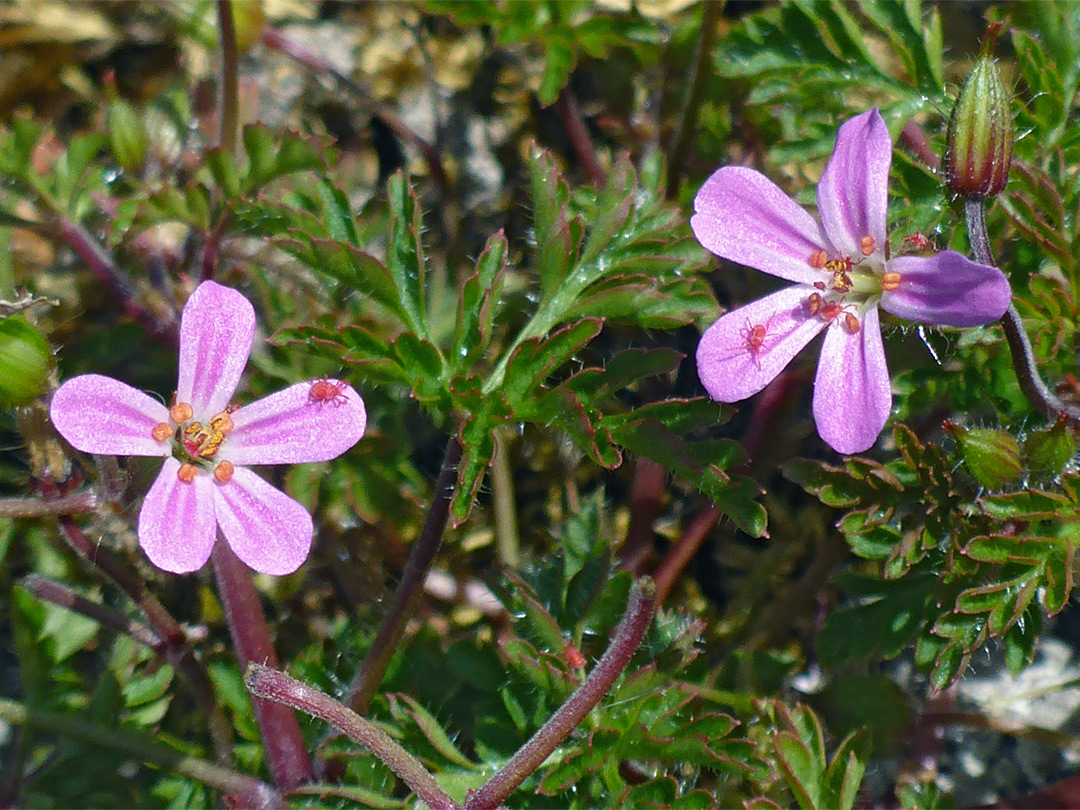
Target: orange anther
<point>851,322</point>
<point>161,431</point>
<point>222,423</point>
<point>890,282</point>
<point>180,412</point>
<point>867,245</point>
<point>818,259</point>
<point>223,472</point>
<point>814,303</point>
<point>186,473</point>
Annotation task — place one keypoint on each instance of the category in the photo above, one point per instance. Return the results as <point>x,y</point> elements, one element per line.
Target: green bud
<point>992,456</point>
<point>25,358</point>
<point>979,141</point>
<point>1047,451</point>
<point>127,135</point>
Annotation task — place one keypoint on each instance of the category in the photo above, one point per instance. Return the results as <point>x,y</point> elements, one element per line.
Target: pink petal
<point>98,414</point>
<point>295,426</point>
<point>743,216</point>
<point>852,393</point>
<point>216,331</point>
<point>729,366</point>
<point>266,528</point>
<point>176,523</point>
<point>947,289</point>
<point>853,192</point>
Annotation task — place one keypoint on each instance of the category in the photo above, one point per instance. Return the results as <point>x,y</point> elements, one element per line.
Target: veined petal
<point>98,414</point>
<point>743,216</point>
<point>216,331</point>
<point>176,523</point>
<point>743,351</point>
<point>311,421</point>
<point>947,289</point>
<point>852,194</point>
<point>266,528</point>
<point>852,393</point>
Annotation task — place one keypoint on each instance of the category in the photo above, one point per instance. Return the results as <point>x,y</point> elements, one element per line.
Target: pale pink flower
<point>842,275</point>
<point>207,443</point>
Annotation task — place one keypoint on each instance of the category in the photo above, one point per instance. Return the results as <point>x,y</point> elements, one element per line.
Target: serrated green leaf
<point>338,214</point>
<point>477,302</point>
<point>224,170</point>
<point>434,732</point>
<point>404,255</point>
<point>535,359</point>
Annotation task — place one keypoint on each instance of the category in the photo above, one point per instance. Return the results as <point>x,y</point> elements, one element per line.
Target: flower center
<point>194,444</point>
<point>848,284</point>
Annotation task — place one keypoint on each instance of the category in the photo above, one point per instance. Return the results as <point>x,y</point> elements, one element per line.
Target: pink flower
<point>842,272</point>
<point>206,442</point>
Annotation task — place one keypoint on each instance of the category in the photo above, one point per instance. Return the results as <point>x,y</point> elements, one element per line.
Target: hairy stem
<point>269,684</point>
<point>286,753</point>
<point>531,756</point>
<point>502,487</point>
<point>409,589</point>
<point>1038,393</point>
<point>75,503</point>
<point>247,791</point>
<point>695,92</point>
<point>165,628</point>
<point>566,107</point>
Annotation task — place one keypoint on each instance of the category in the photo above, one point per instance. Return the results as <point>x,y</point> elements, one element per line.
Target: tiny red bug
<point>754,337</point>
<point>327,390</point>
<point>574,657</point>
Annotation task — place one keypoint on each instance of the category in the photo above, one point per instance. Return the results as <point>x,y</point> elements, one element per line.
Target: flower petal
<point>728,364</point>
<point>98,414</point>
<point>216,331</point>
<point>947,289</point>
<point>176,523</point>
<point>852,194</point>
<point>266,528</point>
<point>295,426</point>
<point>852,393</point>
<point>743,216</point>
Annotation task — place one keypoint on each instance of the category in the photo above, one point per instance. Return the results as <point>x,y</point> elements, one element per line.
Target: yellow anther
<point>867,245</point>
<point>890,282</point>
<point>223,472</point>
<point>222,423</point>
<point>180,412</point>
<point>818,259</point>
<point>161,431</point>
<point>186,473</point>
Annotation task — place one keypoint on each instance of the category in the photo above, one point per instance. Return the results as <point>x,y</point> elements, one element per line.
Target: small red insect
<point>917,243</point>
<point>327,390</point>
<point>754,337</point>
<point>574,657</point>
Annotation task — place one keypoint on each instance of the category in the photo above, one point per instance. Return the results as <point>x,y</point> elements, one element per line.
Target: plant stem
<point>502,489</point>
<point>269,684</point>
<point>74,503</point>
<point>286,753</point>
<point>566,107</point>
<point>684,549</point>
<point>531,756</point>
<point>51,591</point>
<point>167,630</point>
<point>1037,392</point>
<point>688,115</point>
<point>229,85</point>
<point>409,589</point>
<point>646,503</point>
<point>246,790</point>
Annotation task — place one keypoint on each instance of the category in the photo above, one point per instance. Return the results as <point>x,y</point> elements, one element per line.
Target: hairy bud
<point>991,456</point>
<point>25,360</point>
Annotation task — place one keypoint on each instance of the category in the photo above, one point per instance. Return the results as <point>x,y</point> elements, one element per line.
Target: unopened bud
<point>979,141</point>
<point>991,456</point>
<point>25,358</point>
<point>1047,451</point>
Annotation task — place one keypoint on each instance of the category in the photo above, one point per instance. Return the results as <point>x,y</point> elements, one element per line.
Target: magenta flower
<point>842,272</point>
<point>206,442</point>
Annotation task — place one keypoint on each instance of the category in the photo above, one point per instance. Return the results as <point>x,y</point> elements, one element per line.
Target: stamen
<point>814,303</point>
<point>890,282</point>
<point>161,432</point>
<point>222,423</point>
<point>180,412</point>
<point>223,472</point>
<point>851,322</point>
<point>186,473</point>
<point>867,245</point>
<point>818,259</point>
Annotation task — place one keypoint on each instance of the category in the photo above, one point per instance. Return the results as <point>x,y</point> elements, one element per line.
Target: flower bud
<point>25,357</point>
<point>1047,451</point>
<point>979,141</point>
<point>991,456</point>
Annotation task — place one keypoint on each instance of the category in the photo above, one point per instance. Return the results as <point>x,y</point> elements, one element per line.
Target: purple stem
<point>566,107</point>
<point>75,503</point>
<point>915,139</point>
<point>409,589</point>
<point>531,756</point>
<point>229,84</point>
<point>269,684</point>
<point>286,753</point>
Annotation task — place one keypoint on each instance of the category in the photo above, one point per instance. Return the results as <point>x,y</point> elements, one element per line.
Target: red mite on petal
<point>327,390</point>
